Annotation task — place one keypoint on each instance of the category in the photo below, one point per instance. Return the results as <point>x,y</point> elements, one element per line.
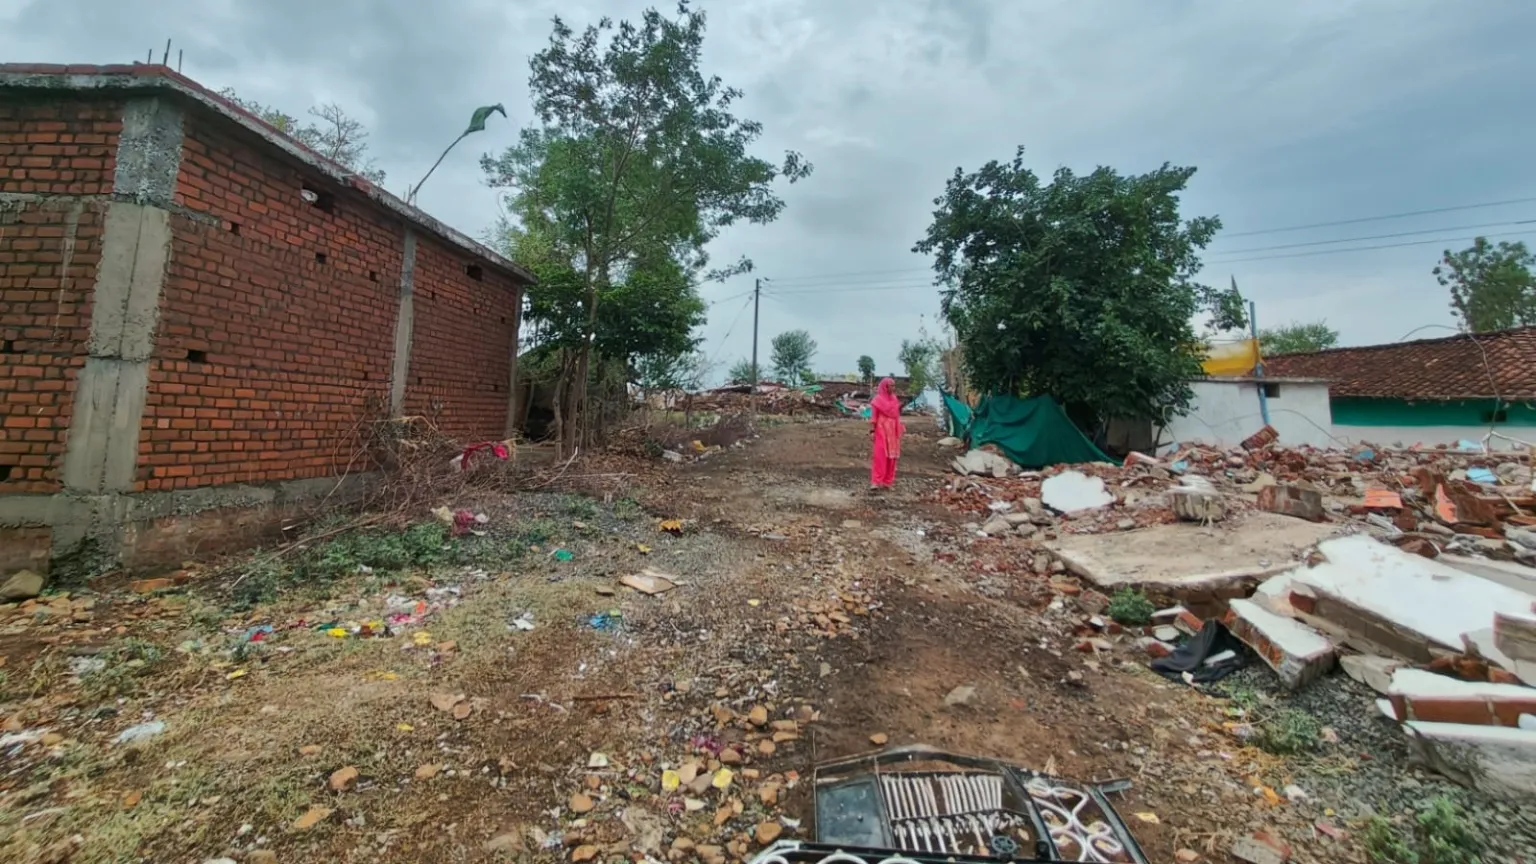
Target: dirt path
<point>468,735</point>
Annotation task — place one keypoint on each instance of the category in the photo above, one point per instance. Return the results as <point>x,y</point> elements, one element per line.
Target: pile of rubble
<point>1452,649</point>
<point>1429,501</point>
<point>1429,595</point>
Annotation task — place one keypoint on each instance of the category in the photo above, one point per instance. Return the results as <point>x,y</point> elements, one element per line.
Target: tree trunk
<point>580,415</point>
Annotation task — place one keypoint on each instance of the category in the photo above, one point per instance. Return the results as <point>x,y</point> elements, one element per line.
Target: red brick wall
<point>296,352</point>
<point>47,148</point>
<point>461,345</point>
<point>267,360</point>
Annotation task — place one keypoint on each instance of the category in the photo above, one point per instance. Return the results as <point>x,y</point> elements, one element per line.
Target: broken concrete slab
<point>1274,594</point>
<point>983,462</point>
<point>1074,492</point>
<point>1388,599</point>
<point>1192,558</point>
<point>1426,696</point>
<point>997,526</point>
<point>1372,670</point>
<point>1507,573</point>
<point>1297,653</point>
<point>1483,643</point>
<point>1515,635</point>
<point>1496,760</point>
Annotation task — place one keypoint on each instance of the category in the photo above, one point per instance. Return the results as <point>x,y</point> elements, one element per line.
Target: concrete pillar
<point>101,453</point>
<point>404,321</point>
<point>514,418</point>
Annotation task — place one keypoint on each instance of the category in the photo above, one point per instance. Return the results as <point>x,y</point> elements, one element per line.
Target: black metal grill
<point>920,804</point>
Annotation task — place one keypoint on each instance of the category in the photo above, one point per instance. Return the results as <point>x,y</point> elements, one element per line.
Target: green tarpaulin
<point>957,415</point>
<point>1033,433</point>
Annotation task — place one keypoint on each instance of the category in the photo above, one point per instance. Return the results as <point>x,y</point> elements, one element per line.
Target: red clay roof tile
<point>1501,363</point>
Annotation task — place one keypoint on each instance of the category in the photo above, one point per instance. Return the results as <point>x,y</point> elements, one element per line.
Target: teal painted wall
<point>1357,411</point>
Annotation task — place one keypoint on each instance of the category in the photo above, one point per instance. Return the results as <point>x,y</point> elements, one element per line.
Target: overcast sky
<point>1294,112</point>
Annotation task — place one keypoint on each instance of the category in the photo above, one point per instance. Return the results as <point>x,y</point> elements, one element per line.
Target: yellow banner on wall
<point>1232,358</point>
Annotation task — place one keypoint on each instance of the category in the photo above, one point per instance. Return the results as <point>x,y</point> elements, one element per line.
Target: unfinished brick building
<point>197,313</point>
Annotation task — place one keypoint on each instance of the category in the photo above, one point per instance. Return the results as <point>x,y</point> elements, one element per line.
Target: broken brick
<point>1290,500</point>
<point>1092,602</point>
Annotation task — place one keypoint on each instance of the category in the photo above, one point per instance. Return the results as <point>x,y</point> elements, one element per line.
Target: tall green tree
<point>742,372</point>
<point>920,359</point>
<point>1082,288</point>
<point>793,351</point>
<point>1491,285</point>
<point>1297,338</point>
<point>866,369</point>
<point>329,131</point>
<point>638,156</point>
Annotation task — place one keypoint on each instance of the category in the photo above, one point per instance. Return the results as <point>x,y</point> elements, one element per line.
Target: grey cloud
<point>1295,113</point>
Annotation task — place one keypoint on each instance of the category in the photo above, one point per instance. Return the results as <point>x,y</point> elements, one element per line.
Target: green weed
<point>1289,732</point>
<point>123,665</point>
<point>628,509</point>
<point>1439,834</point>
<point>535,532</point>
<point>1131,607</point>
<point>422,546</point>
<point>578,507</point>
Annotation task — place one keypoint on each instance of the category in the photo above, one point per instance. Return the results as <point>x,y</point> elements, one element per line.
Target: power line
<point>844,275</point>
<point>852,288</point>
<point>729,299</point>
<point>1370,248</point>
<point>730,329</point>
<point>847,279</point>
<point>1376,237</point>
<point>1381,218</point>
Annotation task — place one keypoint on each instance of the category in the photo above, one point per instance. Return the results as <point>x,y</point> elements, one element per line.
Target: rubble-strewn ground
<point>530,707</point>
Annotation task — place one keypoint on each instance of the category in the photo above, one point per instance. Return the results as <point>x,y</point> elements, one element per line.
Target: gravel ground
<point>1369,769</point>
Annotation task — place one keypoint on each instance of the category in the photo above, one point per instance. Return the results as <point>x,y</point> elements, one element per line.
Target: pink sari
<point>885,418</point>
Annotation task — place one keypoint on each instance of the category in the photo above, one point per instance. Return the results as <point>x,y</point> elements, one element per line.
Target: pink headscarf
<point>885,401</point>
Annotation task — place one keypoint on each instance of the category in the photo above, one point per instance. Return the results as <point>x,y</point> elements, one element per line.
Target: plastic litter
<point>605,622</point>
<point>1482,476</point>
<point>141,732</point>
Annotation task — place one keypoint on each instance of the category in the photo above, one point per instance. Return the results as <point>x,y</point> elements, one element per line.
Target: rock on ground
<point>22,585</point>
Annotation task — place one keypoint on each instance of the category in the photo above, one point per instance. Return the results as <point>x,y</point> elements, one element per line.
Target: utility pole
<point>757,296</point>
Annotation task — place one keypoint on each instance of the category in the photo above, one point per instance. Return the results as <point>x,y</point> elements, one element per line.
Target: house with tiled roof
<point>1429,391</point>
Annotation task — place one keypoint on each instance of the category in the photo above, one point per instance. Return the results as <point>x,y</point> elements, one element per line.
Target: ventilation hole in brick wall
<point>373,275</point>
<point>495,388</point>
<point>320,258</point>
<point>196,356</point>
<point>418,380</point>
<point>503,319</point>
<point>8,347</point>
<point>474,272</point>
<point>234,228</point>
<point>319,200</point>
<point>5,472</point>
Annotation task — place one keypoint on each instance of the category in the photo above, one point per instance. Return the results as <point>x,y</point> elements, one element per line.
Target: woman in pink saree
<point>886,427</point>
